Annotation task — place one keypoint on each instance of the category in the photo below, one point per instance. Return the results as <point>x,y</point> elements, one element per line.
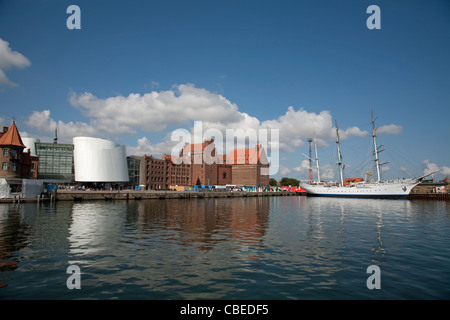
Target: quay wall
<point>75,195</point>
<point>64,195</point>
<point>429,196</point>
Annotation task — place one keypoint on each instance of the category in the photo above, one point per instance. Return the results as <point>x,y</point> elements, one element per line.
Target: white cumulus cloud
<point>184,105</point>
<point>296,126</point>
<point>390,129</point>
<point>145,147</point>
<point>431,167</point>
<point>155,111</point>
<point>10,59</point>
<point>326,171</point>
<point>44,123</point>
<point>284,170</point>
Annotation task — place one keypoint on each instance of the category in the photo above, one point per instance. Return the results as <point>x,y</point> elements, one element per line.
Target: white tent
<point>31,189</point>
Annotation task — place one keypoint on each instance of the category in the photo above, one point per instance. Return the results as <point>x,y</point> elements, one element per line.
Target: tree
<point>273,182</point>
<point>289,182</point>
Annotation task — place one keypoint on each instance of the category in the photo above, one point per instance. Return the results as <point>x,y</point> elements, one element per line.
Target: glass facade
<point>134,170</point>
<point>55,161</point>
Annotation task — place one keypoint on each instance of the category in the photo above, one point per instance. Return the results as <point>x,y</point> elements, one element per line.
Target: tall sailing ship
<point>372,189</point>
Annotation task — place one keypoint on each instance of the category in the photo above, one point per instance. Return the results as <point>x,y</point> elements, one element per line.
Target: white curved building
<point>99,160</point>
<point>30,143</point>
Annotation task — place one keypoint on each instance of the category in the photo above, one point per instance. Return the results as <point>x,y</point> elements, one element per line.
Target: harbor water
<point>249,248</point>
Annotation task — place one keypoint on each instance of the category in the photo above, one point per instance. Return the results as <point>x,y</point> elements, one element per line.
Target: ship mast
<point>310,160</point>
<point>317,158</point>
<point>339,155</point>
<point>376,150</point>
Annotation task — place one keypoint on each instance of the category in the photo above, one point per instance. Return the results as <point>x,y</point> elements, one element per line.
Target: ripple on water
<point>244,248</point>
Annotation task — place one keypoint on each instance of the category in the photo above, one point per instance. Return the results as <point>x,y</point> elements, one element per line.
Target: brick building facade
<point>14,162</point>
<point>177,174</point>
<point>199,164</point>
<point>161,174</point>
<point>250,166</point>
<point>30,165</point>
<point>206,167</point>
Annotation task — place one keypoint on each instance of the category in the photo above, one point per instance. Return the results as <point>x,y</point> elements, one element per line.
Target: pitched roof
<point>195,148</point>
<point>247,156</point>
<point>12,137</point>
<point>170,157</point>
<point>256,155</point>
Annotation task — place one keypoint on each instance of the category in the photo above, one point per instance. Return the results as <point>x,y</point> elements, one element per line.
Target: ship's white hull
<point>392,189</point>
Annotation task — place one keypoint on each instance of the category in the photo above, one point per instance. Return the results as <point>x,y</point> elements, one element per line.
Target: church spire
<point>55,138</point>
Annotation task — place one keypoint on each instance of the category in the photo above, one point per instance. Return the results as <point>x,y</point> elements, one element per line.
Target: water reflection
<point>202,224</point>
<point>13,234</point>
<point>95,227</point>
<point>161,244</point>
<point>28,231</point>
<point>240,248</point>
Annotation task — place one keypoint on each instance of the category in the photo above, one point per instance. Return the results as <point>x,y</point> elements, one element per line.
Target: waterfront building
<point>204,163</point>
<point>11,149</point>
<point>199,164</point>
<point>30,165</point>
<point>55,161</point>
<point>250,166</point>
<point>156,173</point>
<point>50,161</point>
<point>432,187</point>
<point>30,143</point>
<point>31,159</point>
<point>136,170</point>
<point>163,174</point>
<point>99,160</point>
<point>177,174</point>
<point>16,165</point>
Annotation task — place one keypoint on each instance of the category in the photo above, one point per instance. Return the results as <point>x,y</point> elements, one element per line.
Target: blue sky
<point>137,70</point>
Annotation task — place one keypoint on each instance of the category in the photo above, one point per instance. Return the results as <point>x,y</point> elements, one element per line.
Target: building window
<point>13,166</point>
<point>5,166</point>
<point>5,152</point>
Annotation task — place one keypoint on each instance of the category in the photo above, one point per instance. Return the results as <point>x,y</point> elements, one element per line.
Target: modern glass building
<point>55,161</point>
<point>136,170</point>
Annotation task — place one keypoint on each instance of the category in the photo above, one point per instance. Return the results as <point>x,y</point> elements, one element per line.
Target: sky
<point>136,71</point>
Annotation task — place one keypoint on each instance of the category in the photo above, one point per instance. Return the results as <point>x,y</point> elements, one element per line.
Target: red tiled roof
<point>194,148</point>
<point>12,137</point>
<point>170,157</point>
<point>246,156</point>
<point>238,156</point>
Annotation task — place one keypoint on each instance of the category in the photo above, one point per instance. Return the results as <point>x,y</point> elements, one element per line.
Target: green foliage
<point>273,182</point>
<point>289,182</point>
